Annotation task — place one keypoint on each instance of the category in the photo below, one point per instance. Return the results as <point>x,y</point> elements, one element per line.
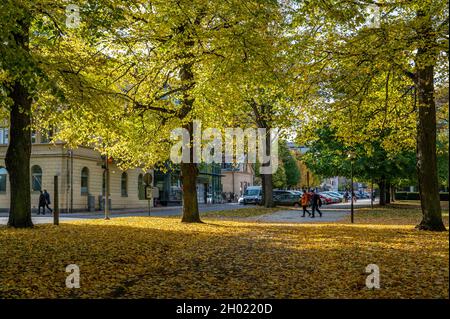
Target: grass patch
<point>141,257</point>
<point>415,204</point>
<point>399,213</point>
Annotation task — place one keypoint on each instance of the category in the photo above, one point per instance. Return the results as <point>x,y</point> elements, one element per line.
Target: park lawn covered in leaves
<point>400,213</point>
<point>149,257</point>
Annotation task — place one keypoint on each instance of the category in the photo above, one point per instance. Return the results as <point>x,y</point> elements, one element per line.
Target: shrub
<point>415,196</point>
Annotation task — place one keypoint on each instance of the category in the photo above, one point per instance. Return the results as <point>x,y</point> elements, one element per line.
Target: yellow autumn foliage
<point>149,257</point>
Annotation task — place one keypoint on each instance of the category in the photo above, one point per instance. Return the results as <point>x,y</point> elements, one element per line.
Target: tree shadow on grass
<point>167,259</point>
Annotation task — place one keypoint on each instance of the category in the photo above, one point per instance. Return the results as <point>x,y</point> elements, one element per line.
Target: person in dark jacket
<point>316,202</point>
<point>42,203</point>
<point>47,200</point>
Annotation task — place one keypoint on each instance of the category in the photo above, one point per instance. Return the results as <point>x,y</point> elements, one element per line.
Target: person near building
<point>41,203</point>
<point>316,203</point>
<point>47,200</point>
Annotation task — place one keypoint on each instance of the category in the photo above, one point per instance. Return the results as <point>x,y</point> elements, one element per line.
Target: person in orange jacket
<point>305,203</point>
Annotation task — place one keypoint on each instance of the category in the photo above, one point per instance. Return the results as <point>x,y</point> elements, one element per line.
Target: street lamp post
<point>371,188</point>
<point>107,208</point>
<point>371,195</point>
<point>351,156</point>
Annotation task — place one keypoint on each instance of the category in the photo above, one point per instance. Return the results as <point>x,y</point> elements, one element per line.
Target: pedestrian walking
<point>47,200</point>
<point>305,202</point>
<point>42,203</point>
<point>316,203</point>
<point>354,197</point>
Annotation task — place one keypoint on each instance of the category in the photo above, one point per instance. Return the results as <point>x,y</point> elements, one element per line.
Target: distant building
<point>236,178</point>
<point>294,147</point>
<point>81,179</point>
<point>339,183</point>
<point>209,187</point>
<point>80,174</point>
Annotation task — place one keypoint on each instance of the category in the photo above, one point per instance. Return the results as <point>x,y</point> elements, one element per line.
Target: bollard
<point>55,201</point>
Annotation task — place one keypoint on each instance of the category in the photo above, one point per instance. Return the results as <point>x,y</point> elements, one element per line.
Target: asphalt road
<point>156,211</point>
<point>339,210</point>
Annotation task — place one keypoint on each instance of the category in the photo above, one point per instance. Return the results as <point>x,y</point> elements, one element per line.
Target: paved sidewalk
<point>294,216</point>
<point>330,213</point>
<point>41,219</point>
<point>155,212</point>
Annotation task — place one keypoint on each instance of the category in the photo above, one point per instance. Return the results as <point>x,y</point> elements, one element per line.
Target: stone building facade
<point>80,178</point>
<point>236,178</point>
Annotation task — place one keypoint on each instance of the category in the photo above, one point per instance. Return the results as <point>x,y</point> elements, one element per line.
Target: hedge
<point>415,196</point>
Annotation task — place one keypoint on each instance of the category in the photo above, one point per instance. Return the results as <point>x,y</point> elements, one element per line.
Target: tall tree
<point>168,63</point>
<point>41,57</point>
<point>328,156</point>
<point>290,166</point>
<point>17,97</point>
<point>404,46</point>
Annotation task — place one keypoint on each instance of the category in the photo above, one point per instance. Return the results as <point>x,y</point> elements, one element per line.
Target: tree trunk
<point>426,128</point>
<point>19,149</point>
<point>267,190</point>
<point>388,192</point>
<point>18,158</point>
<point>267,178</point>
<point>382,188</point>
<point>189,173</point>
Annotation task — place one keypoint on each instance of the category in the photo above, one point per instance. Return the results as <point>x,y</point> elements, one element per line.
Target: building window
<point>3,176</point>
<point>84,181</point>
<point>141,187</point>
<point>46,137</point>
<point>36,178</point>
<point>124,184</point>
<point>4,135</point>
<point>33,136</point>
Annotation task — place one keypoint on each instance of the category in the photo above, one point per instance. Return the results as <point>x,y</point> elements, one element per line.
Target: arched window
<point>3,177</point>
<point>141,187</point>
<point>85,181</point>
<point>36,178</point>
<point>124,184</point>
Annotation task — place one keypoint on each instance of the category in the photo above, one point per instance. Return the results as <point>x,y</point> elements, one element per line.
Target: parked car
<point>298,193</point>
<point>252,195</point>
<point>336,194</point>
<point>361,195</point>
<point>335,198</point>
<point>326,199</point>
<point>277,192</point>
<point>287,199</point>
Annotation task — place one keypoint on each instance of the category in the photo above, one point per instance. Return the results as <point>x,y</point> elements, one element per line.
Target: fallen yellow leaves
<point>148,257</point>
<point>400,214</point>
